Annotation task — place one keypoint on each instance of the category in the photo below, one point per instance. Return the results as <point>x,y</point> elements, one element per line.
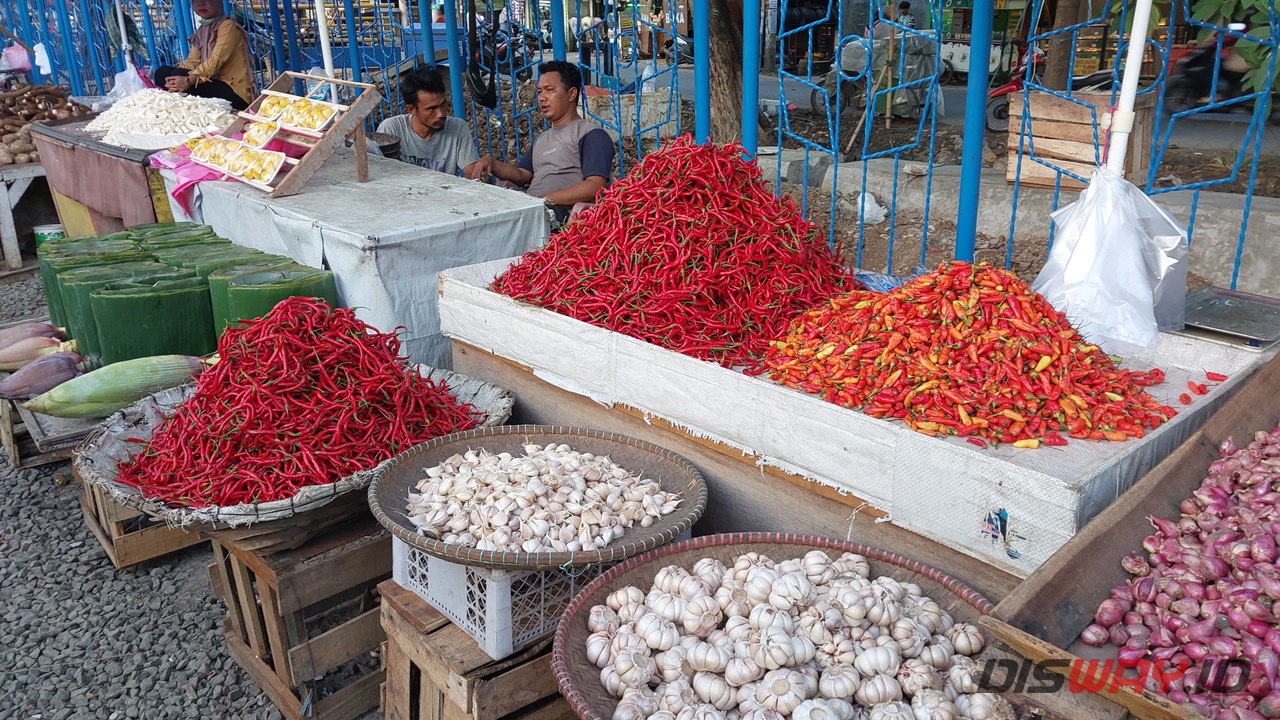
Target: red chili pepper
<point>1197,389</point>
<point>1054,440</point>
<point>1215,377</point>
<point>976,441</point>
<point>250,433</point>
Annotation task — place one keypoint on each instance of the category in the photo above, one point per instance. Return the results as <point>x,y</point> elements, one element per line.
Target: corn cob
<point>116,386</point>
<point>25,352</point>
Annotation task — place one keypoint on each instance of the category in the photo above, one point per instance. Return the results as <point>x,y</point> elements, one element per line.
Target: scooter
<point>1192,79</point>
<point>998,98</point>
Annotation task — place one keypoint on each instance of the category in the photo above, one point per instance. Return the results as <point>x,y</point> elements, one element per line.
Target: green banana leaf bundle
<point>69,257</point>
<point>79,283</point>
<point>144,318</point>
<point>254,295</point>
<point>220,278</point>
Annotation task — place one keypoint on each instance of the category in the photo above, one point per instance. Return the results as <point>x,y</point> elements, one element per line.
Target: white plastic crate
<point>505,611</point>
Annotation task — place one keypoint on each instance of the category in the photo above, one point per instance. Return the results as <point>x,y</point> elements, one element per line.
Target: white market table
<point>14,181</point>
<point>384,240</point>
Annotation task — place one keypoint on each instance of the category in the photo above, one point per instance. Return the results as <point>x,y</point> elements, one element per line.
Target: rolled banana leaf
<point>200,236</point>
<point>79,283</point>
<point>252,296</point>
<point>178,255</point>
<point>203,266</point>
<point>52,264</point>
<point>141,319</point>
<point>220,278</point>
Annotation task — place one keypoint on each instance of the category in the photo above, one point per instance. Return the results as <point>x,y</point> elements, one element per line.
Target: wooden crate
<point>272,597</point>
<point>128,536</point>
<point>19,447</point>
<point>435,671</point>
<point>1062,133</point>
<point>1042,618</point>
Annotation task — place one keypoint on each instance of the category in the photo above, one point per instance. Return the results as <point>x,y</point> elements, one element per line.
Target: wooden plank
<point>1145,705</point>
<point>275,633</point>
<point>556,708</point>
<point>1060,704</point>
<point>221,566</point>
<point>1047,147</point>
<point>367,561</point>
<point>334,138</point>
<point>519,687</point>
<point>335,647</point>
<point>7,438</point>
<point>351,701</point>
<point>242,581</point>
<point>1050,129</point>
<point>8,231</point>
<point>91,522</point>
<point>396,691</point>
<point>740,497</point>
<point>362,155</point>
<point>1033,174</point>
<point>280,694</point>
<point>406,605</point>
<point>152,542</point>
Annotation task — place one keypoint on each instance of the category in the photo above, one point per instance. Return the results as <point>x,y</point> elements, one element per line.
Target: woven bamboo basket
<point>394,479</point>
<point>271,526</point>
<point>579,678</point>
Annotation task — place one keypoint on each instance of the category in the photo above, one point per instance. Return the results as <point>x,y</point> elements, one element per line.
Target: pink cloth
<point>188,173</point>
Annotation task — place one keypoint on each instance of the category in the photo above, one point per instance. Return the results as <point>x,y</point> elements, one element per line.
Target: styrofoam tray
<point>1008,507</point>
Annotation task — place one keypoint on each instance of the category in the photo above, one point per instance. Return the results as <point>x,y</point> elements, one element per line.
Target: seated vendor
<point>569,163</point>
<point>429,136</point>
<point>219,65</point>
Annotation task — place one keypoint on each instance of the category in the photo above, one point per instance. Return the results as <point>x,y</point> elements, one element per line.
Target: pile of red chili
<point>690,252</point>
<point>969,351</point>
<point>303,396</point>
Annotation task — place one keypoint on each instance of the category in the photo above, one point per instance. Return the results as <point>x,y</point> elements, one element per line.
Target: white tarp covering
<point>1011,508</point>
<point>384,240</point>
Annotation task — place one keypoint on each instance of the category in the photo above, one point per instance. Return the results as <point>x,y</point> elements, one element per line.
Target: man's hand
<point>177,83</point>
<point>480,168</point>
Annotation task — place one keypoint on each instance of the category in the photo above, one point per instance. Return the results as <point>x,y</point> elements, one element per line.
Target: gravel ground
<point>21,300</point>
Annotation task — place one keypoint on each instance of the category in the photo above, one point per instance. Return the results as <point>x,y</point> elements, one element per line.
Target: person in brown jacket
<point>219,65</point>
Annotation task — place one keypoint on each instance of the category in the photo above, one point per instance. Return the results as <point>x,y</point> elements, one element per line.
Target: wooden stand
<point>435,671</point>
<point>349,123</point>
<point>129,537</point>
<point>1062,133</point>
<point>271,598</point>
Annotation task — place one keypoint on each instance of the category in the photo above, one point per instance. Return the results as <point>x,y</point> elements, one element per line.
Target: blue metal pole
<point>428,33</point>
<point>277,38</point>
<point>149,33</point>
<point>557,30</point>
<point>86,23</point>
<point>182,12</point>
<point>28,33</point>
<point>702,70</point>
<point>750,76</point>
<point>975,125</point>
<point>455,58</point>
<point>46,37</point>
<point>68,49</point>
<point>353,40</point>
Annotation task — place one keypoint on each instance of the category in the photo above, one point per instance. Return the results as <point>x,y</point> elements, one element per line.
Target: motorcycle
<point>998,98</point>
<point>1192,79</point>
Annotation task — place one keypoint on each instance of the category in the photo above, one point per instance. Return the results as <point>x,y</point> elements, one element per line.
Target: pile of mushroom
<point>551,499</point>
<point>810,638</point>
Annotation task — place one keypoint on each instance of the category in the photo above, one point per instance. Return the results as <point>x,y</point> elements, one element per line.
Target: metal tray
<point>1253,318</point>
<point>70,131</point>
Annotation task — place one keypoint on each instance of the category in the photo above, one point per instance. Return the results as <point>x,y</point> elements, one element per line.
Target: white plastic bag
<point>1118,268</point>
<point>128,82</point>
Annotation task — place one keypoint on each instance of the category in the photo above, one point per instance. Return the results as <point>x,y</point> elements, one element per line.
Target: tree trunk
<point>1057,69</point>
<point>726,75</point>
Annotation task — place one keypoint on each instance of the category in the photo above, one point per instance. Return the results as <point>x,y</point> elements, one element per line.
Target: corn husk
<point>40,376</point>
<point>78,284</point>
<point>25,352</point>
<point>111,388</point>
<point>142,319</point>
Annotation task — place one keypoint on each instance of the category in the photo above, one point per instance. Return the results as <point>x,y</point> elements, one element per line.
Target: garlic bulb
<point>733,599</point>
<point>932,705</point>
<point>927,613</point>
<point>895,710</point>
<point>636,704</point>
<point>963,674</point>
<point>740,670</point>
<point>720,639</point>
<point>842,709</point>
<point>599,649</point>
<point>632,613</point>
<point>658,633</point>
<point>772,648</point>
<point>667,578</point>
<point>759,584</point>
<point>983,706</point>
<point>815,709</point>
<point>706,657</point>
<point>611,682</point>
<point>603,619</point>
<point>712,688</point>
<point>878,661</point>
<point>888,588</point>
<point>674,665</point>
<point>811,625</point>
<point>634,666</point>
<point>745,563</point>
<point>938,652</point>
<point>915,675</point>
<point>630,595</point>
<point>878,689</point>
<point>781,690</point>
<point>910,636</point>
<point>810,675</point>
<point>882,611</point>
<point>676,696</point>
<point>663,715</point>
<point>966,638</point>
<point>839,682</point>
<point>701,616</point>
<point>818,568</point>
<point>701,711</point>
<point>840,651</point>
<point>762,713</point>
<point>670,607</point>
<point>765,615</point>
<point>710,571</point>
<point>789,591</point>
<point>552,499</point>
<point>738,628</point>
<point>851,563</point>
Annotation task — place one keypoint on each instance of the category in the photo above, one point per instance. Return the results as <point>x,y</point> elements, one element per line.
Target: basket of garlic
<point>499,527</point>
<point>764,626</point>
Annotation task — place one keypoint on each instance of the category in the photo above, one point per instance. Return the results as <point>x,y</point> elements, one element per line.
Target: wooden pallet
<point>271,598</point>
<point>129,537</point>
<point>435,671</point>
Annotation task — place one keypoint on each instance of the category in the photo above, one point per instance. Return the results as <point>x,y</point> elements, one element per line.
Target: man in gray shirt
<point>569,163</point>
<point>428,136</point>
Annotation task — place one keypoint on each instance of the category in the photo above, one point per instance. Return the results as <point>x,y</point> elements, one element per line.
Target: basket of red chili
<point>304,404</point>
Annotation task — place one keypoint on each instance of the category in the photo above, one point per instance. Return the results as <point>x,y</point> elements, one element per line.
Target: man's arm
<point>596,151</point>
<point>521,174</point>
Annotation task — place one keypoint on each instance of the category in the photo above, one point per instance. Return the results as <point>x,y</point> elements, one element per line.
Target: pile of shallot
<point>809,638</point>
<point>1203,602</point>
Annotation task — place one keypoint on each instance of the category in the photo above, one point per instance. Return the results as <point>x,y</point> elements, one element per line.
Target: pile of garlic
<point>810,639</point>
<point>551,499</point>
<point>156,112</point>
